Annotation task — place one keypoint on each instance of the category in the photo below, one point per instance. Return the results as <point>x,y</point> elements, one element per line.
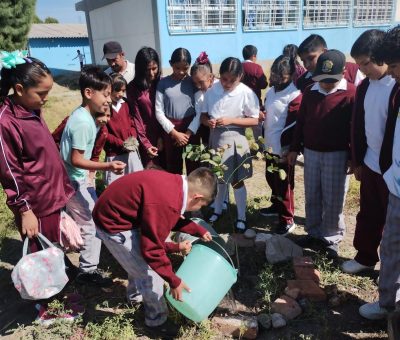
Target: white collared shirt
<point>185,193</point>
<point>118,105</point>
<point>241,102</point>
<point>376,110</point>
<point>342,85</point>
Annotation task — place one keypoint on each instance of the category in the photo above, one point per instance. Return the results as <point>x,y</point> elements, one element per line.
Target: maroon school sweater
<point>350,75</point>
<point>323,122</point>
<point>151,201</point>
<point>385,157</point>
<point>120,127</point>
<point>254,77</point>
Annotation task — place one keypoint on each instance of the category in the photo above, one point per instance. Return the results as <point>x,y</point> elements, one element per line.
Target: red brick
<point>308,289</point>
<point>303,261</point>
<point>237,326</point>
<point>286,306</point>
<point>307,273</point>
<point>293,293</point>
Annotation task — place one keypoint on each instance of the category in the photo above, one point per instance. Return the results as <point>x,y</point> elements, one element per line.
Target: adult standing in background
<point>115,57</point>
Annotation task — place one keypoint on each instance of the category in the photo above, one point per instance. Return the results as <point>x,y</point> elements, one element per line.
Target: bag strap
<point>44,242</point>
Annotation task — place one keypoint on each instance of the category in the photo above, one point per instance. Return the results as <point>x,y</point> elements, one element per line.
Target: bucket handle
<point>223,249</point>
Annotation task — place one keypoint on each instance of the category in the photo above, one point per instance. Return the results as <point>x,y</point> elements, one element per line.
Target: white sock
<point>219,200</point>
<point>240,198</point>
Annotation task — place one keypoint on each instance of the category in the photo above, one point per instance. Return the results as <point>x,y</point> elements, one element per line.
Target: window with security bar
<point>201,16</point>
<point>261,15</point>
<point>373,12</point>
<point>326,13</point>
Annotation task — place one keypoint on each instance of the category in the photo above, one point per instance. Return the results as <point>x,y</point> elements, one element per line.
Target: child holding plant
<point>229,107</point>
<point>282,103</point>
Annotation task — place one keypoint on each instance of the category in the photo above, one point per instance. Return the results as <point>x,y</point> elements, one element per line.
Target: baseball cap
<point>111,49</point>
<point>330,67</point>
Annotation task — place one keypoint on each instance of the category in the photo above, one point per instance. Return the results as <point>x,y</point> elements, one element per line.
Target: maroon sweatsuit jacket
<point>254,77</point>
<point>385,157</point>
<point>151,201</point>
<point>31,170</point>
<point>120,127</point>
<point>350,75</point>
<point>323,122</point>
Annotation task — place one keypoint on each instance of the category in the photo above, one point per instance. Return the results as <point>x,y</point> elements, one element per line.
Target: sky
<point>62,10</point>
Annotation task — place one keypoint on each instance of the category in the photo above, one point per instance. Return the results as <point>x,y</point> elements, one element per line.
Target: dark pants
<point>49,226</point>
<point>173,153</point>
<point>371,217</point>
<point>282,190</point>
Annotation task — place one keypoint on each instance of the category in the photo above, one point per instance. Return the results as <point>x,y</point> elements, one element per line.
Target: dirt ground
<point>318,321</point>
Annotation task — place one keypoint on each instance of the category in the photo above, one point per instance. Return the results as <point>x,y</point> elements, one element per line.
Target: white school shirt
<point>276,108</point>
<point>241,102</point>
<point>376,104</point>
<point>392,175</point>
<point>342,85</point>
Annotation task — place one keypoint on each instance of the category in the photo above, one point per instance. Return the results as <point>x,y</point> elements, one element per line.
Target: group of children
<point>342,120</point>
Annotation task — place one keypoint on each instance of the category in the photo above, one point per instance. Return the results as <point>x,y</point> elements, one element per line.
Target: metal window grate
<point>372,12</point>
<point>201,16</point>
<point>261,15</point>
<point>326,13</point>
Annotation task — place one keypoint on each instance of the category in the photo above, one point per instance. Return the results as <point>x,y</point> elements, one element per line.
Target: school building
<point>57,44</point>
<point>223,27</point>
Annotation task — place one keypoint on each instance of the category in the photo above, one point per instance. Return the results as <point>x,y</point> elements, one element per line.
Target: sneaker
<point>354,267</point>
<point>214,218</point>
<point>240,226</point>
<point>332,251</point>
<point>307,241</point>
<point>270,211</point>
<point>167,330</point>
<point>372,311</point>
<point>135,299</point>
<point>94,278</point>
<point>285,228</point>
<point>46,319</point>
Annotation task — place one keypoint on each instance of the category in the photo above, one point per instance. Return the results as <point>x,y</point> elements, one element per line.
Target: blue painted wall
<point>57,53</point>
<point>269,44</point>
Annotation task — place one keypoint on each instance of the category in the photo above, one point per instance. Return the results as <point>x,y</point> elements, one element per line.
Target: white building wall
<point>130,22</point>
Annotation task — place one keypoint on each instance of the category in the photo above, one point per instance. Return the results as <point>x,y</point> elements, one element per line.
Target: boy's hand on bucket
<point>177,292</point>
<point>185,247</point>
<point>207,237</point>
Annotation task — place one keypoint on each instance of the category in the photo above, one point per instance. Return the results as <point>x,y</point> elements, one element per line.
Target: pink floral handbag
<point>40,275</point>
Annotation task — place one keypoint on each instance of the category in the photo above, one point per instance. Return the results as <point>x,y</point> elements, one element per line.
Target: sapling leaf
<point>282,174</point>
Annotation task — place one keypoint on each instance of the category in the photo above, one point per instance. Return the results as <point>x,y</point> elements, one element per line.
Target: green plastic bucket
<point>209,276</point>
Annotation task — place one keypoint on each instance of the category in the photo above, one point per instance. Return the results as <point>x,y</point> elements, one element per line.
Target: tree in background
<point>16,17</point>
<point>37,20</point>
<point>50,20</point>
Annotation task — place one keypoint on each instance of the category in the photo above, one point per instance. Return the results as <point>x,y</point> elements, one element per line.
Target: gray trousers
<point>80,208</point>
<point>125,247</point>
<point>325,184</point>
<point>389,276</point>
<point>132,161</point>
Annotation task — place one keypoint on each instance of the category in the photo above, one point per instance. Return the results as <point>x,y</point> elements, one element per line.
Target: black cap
<point>330,67</point>
<point>111,49</point>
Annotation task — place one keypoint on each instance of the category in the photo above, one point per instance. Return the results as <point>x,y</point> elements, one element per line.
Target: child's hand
<point>261,116</point>
<point>181,139</point>
<point>207,237</point>
<point>160,145</point>
<point>224,121</point>
<point>177,292</point>
<point>357,172</point>
<point>212,123</point>
<point>117,167</point>
<point>291,158</point>
<point>185,247</point>
<point>152,151</point>
<point>30,224</point>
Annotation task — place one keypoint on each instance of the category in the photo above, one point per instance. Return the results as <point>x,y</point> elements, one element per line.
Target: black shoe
<point>332,251</point>
<point>94,278</point>
<point>214,218</point>
<point>240,230</point>
<point>310,242</point>
<point>285,228</point>
<point>267,212</point>
<point>168,330</point>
